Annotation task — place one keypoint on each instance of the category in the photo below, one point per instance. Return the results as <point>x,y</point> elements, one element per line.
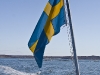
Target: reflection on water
<point>50,67</point>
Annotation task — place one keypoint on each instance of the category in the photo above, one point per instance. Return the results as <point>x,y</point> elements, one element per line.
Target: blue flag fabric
<point>52,18</point>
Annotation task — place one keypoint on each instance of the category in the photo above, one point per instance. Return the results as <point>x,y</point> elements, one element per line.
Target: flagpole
<point>73,41</point>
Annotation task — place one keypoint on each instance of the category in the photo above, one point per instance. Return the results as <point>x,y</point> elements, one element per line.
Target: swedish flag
<point>52,18</point>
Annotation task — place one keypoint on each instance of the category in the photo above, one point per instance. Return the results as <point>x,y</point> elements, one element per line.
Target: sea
<point>57,66</point>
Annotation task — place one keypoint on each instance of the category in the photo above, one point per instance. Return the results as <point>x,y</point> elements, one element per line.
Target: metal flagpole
<point>73,41</point>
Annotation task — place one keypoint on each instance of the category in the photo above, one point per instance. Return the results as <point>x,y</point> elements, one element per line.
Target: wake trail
<point>5,70</point>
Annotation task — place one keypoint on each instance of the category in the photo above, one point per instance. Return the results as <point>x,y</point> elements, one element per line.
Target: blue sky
<point>18,19</point>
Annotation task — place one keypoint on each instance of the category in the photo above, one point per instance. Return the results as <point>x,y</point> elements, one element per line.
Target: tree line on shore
<point>62,57</point>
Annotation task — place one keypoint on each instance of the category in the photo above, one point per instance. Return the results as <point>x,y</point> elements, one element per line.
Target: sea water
<point>28,66</point>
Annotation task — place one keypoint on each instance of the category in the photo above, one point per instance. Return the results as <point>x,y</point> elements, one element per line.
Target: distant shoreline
<point>62,57</point>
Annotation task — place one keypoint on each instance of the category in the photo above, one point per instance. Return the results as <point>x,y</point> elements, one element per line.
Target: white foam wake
<point>5,70</point>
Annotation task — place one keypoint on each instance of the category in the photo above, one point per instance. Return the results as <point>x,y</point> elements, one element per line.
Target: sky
<point>18,19</point>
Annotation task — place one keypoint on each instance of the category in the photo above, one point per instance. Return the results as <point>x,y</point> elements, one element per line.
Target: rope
<point>71,48</point>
